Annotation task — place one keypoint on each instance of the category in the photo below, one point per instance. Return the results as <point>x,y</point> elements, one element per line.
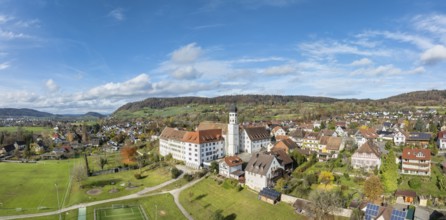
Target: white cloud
<point>187,72</point>
<point>327,48</point>
<point>279,70</point>
<point>4,65</point>
<point>52,86</point>
<point>187,54</point>
<point>420,42</point>
<point>434,55</point>
<point>4,19</point>
<point>117,14</point>
<point>376,71</point>
<point>28,23</point>
<point>434,23</point>
<point>361,62</point>
<point>9,35</point>
<point>259,60</point>
<point>417,70</point>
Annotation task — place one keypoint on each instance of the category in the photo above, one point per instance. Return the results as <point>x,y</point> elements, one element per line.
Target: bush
<point>138,176</point>
<point>346,176</point>
<point>175,172</point>
<point>239,188</point>
<point>188,177</point>
<point>200,174</point>
<point>414,183</point>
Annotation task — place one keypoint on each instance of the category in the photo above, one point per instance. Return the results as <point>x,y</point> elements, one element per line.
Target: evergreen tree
<point>389,172</point>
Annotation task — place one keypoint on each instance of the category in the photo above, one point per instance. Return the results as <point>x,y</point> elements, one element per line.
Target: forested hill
<point>15,112</point>
<point>158,103</point>
<point>436,96</point>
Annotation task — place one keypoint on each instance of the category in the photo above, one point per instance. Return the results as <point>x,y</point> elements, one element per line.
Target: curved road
<point>140,194</point>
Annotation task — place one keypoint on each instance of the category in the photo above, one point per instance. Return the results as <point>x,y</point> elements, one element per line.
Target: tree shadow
<point>231,216</point>
<point>199,197</point>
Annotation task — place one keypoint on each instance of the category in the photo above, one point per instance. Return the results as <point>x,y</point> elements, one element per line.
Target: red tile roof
<point>233,161</point>
<point>416,154</point>
<point>203,136</point>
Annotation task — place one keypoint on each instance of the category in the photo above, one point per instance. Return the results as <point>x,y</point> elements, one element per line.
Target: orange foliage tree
<point>128,154</point>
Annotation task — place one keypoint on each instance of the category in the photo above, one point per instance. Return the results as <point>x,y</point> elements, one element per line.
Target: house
<point>269,195</point>
<point>399,138</point>
<point>376,212</point>
<point>231,167</point>
<point>287,145</point>
<point>262,170</point>
<point>278,131</point>
<point>365,134</point>
<point>341,131</point>
<point>441,140</point>
<point>254,139</point>
<point>367,156</point>
<point>416,162</point>
<point>311,141</point>
<point>284,160</point>
<point>297,136</point>
<point>418,139</point>
<point>334,146</point>
<point>406,197</point>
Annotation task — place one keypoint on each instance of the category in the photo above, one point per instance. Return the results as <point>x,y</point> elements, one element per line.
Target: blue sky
<point>79,56</point>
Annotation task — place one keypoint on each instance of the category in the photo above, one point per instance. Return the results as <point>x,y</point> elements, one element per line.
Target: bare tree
<point>323,203</point>
<point>141,161</point>
<point>79,172</point>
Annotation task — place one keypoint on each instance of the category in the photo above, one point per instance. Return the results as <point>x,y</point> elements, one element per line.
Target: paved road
<point>140,194</point>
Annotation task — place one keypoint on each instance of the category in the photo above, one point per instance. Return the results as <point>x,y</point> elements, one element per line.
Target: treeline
<point>432,96</point>
<point>158,103</point>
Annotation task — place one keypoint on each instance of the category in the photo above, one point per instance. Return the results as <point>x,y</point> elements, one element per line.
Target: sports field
<point>118,211</point>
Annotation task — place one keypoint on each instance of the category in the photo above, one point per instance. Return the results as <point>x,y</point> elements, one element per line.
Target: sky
<point>77,56</point>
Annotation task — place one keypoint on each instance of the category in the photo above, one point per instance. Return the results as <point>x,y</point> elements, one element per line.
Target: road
<point>143,193</point>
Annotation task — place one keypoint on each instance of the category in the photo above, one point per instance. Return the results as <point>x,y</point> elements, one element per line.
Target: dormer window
<point>420,154</point>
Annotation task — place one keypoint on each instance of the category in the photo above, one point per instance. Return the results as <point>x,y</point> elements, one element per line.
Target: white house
<point>367,156</point>
<point>441,140</point>
<point>231,167</point>
<point>399,138</point>
<point>276,131</point>
<point>253,139</point>
<point>260,171</point>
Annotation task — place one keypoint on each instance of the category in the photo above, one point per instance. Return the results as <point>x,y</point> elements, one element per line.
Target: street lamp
<point>58,203</point>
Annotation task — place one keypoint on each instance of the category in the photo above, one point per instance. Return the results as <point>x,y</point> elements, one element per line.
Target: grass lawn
<point>31,185</point>
<point>428,184</point>
<point>117,212</point>
<point>35,130</point>
<point>113,161</point>
<point>208,197</point>
<point>116,182</point>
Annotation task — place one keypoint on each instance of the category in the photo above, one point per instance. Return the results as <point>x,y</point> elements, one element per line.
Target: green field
<point>118,211</point>
<point>35,130</point>
<point>30,187</point>
<point>207,197</point>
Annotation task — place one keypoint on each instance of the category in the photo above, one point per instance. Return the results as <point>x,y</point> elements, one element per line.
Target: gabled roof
<point>257,133</point>
<point>260,163</point>
<point>282,157</point>
<point>418,136</point>
<point>324,140</point>
<point>334,143</point>
<point>441,134</point>
<point>298,133</point>
<point>275,129</point>
<point>416,154</point>
<point>408,193</point>
<point>369,148</point>
<point>311,135</point>
<point>233,161</point>
<point>172,134</point>
<point>286,144</point>
<point>368,133</point>
<point>203,136</point>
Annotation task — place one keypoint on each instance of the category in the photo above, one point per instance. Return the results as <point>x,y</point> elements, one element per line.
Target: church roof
<point>233,108</point>
<point>203,136</point>
<point>257,133</point>
<point>172,134</point>
<point>206,125</point>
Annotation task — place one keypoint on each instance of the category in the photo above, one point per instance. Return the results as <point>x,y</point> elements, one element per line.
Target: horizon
<point>82,56</point>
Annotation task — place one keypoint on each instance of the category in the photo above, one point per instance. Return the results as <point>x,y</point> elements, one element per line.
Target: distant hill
<point>25,112</point>
<point>15,112</point>
<point>437,96</point>
<point>157,103</point>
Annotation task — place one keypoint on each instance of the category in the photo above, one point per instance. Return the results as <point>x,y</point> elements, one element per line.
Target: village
<point>371,165</point>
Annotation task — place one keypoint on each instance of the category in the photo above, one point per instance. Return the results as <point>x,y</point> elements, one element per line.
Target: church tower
<point>233,132</point>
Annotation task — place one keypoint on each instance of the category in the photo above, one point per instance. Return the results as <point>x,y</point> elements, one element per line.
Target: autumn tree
<point>373,188</point>
<point>128,154</point>
<point>389,172</point>
<point>326,177</point>
<point>79,172</point>
<point>323,203</point>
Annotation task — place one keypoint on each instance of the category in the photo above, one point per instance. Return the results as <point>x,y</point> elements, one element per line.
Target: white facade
<point>365,160</point>
<point>399,139</point>
<point>196,154</point>
<point>252,146</point>
<point>233,133</point>
<point>174,147</point>
<point>258,181</point>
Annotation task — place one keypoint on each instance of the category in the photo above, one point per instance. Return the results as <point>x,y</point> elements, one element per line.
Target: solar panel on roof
<point>398,215</point>
<point>371,211</point>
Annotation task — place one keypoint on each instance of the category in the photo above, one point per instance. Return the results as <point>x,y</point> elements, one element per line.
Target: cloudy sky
<point>83,55</point>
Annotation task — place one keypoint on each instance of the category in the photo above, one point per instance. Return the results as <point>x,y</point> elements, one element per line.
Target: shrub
<point>239,188</point>
<point>138,176</point>
<point>414,183</point>
<point>188,177</point>
<point>346,176</point>
<point>175,172</point>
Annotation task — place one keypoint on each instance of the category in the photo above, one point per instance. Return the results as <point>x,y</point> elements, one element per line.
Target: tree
<point>214,167</point>
<point>322,203</point>
<point>175,172</point>
<point>280,184</point>
<point>388,145</point>
<point>389,170</point>
<point>419,126</point>
<point>298,157</point>
<point>141,161</point>
<point>373,188</point>
<point>102,162</point>
<point>217,215</point>
<point>79,172</point>
<point>128,154</point>
<point>326,177</point>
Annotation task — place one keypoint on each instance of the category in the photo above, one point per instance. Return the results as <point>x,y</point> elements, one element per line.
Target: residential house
<point>284,160</point>
<point>297,136</point>
<point>406,197</point>
<point>418,138</point>
<point>399,138</point>
<point>367,156</point>
<point>254,139</point>
<point>441,140</point>
<point>278,131</point>
<point>365,134</point>
<point>341,131</point>
<point>287,145</point>
<point>334,146</point>
<point>416,162</point>
<point>262,170</point>
<point>311,141</point>
<point>231,167</point>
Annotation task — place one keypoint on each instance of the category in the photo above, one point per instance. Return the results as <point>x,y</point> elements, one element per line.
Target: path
<point>142,193</point>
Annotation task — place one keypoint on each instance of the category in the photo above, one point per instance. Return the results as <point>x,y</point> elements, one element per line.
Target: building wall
<point>367,161</point>
<point>233,135</point>
<point>255,181</point>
